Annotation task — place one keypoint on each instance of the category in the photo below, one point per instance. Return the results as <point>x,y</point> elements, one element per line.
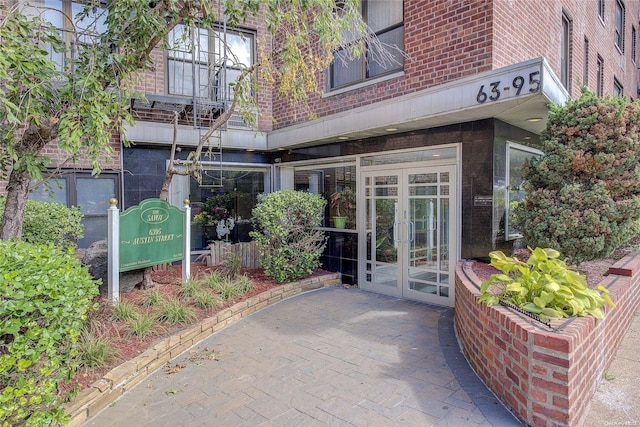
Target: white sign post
<point>186,260</point>
<point>113,251</point>
<point>113,245</point>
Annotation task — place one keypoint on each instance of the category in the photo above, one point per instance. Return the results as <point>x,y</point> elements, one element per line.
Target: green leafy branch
<point>543,286</point>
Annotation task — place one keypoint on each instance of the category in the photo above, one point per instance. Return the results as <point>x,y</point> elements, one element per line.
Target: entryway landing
<point>333,356</point>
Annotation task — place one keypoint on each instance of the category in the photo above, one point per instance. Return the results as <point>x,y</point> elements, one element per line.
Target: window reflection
<point>517,155</point>
<point>222,202</point>
<point>337,184</point>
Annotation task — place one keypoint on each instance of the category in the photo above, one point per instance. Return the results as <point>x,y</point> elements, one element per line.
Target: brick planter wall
<point>545,375</point>
<point>122,378</point>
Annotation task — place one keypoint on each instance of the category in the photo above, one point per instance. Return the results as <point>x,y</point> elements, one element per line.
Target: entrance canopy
<point>518,94</point>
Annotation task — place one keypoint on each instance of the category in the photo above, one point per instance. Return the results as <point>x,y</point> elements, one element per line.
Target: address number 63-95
<point>518,83</point>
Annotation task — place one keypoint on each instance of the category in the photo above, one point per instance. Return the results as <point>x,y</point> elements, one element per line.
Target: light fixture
<point>534,119</point>
<point>391,129</point>
<point>526,138</point>
<point>343,137</point>
<point>249,150</point>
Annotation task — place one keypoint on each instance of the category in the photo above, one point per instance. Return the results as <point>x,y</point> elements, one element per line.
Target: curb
<point>122,378</point>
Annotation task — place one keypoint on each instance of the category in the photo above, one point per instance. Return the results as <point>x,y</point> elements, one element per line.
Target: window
<point>617,88</point>
<point>633,43</point>
<point>198,61</point>
<point>601,9</point>
<point>619,30</point>
<point>565,51</point>
<point>517,155</point>
<point>75,31</point>
<point>232,191</point>
<point>585,71</point>
<point>329,180</point>
<point>599,76</point>
<point>386,19</point>
<point>91,194</point>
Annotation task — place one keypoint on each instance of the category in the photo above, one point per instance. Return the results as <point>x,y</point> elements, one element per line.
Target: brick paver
<point>328,357</point>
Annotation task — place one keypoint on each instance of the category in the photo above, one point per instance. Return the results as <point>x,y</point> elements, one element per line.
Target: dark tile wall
<point>478,139</point>
<point>144,169</point>
<point>477,171</point>
<point>341,254</point>
<point>477,191</point>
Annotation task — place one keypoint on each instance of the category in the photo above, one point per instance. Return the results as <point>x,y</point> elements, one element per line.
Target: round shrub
<point>290,245</point>
<point>582,194</point>
<point>46,222</point>
<point>46,295</point>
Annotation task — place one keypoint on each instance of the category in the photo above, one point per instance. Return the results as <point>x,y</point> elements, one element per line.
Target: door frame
<point>402,288</point>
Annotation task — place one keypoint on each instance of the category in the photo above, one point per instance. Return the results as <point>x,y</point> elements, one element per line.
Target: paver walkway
<point>334,356</point>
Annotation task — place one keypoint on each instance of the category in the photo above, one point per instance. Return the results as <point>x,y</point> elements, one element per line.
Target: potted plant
<point>216,217</point>
<point>344,203</point>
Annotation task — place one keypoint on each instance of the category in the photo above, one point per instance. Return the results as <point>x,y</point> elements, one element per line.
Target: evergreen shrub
<point>46,222</point>
<point>46,295</point>
<point>287,237</point>
<point>582,194</point>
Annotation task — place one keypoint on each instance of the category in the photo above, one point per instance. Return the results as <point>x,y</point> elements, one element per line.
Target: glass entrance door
<point>410,233</point>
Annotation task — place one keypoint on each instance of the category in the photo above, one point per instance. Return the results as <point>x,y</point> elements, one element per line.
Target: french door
<point>410,234</point>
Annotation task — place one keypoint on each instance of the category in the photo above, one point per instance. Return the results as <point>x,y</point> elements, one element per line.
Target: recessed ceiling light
<point>534,119</point>
<point>526,138</point>
<point>391,129</point>
<point>250,149</point>
<point>343,137</point>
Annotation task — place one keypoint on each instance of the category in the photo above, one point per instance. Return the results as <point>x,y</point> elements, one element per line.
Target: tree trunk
<point>33,140</point>
<point>164,192</point>
<point>17,196</point>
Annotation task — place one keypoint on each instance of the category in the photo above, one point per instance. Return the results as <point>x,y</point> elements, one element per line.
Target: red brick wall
<point>444,41</point>
<point>546,377</point>
<point>153,81</point>
<point>448,40</point>
<point>526,29</point>
<point>59,157</point>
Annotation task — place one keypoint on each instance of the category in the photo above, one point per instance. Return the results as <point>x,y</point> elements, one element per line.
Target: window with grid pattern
<point>198,63</point>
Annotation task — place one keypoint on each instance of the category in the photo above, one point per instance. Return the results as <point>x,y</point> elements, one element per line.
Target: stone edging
<point>119,380</point>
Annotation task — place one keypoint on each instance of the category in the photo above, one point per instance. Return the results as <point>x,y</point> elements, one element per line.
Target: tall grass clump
<point>175,312</point>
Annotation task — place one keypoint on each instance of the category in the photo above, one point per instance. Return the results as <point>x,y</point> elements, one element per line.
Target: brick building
<point>432,144</point>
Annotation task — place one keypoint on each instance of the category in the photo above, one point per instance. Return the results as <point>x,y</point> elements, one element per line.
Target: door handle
<point>432,218</point>
<point>411,231</point>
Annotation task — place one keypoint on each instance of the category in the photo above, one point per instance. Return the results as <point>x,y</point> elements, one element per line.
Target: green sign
<point>151,233</point>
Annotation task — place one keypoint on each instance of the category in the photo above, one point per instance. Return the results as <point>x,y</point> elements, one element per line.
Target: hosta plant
<point>543,286</point>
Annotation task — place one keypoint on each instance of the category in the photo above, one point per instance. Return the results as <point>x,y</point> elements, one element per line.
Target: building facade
<point>433,146</point>
<point>431,143</point>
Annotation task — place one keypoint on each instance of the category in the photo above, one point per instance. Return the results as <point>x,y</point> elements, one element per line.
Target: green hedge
<point>46,295</point>
<point>290,245</point>
<point>582,194</point>
<point>48,222</point>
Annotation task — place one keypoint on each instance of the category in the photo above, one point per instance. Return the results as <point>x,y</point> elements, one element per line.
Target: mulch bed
<point>168,283</point>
